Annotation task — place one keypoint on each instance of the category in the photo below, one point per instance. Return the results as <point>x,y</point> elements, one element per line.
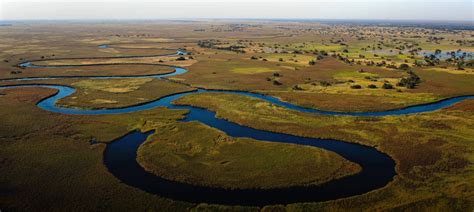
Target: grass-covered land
<point>171,60</point>
<point>48,163</point>
<point>197,154</point>
<point>112,93</point>
<point>108,93</point>
<point>429,160</point>
<point>329,84</point>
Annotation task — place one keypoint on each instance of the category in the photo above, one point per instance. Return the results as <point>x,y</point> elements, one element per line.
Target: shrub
<point>297,87</point>
<point>409,82</point>
<point>404,66</point>
<point>372,86</point>
<point>311,62</point>
<point>387,86</point>
<point>324,83</point>
<point>392,66</point>
<point>276,82</point>
<point>356,86</point>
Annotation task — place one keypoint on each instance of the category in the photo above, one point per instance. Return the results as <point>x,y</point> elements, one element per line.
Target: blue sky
<point>171,9</point>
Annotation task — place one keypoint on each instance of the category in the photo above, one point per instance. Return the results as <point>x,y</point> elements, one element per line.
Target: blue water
<point>64,91</point>
<point>378,169</point>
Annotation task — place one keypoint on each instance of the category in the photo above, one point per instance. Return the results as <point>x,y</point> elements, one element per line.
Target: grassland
<point>55,152</point>
<point>45,156</point>
<point>109,93</point>
<point>430,160</point>
<point>326,85</point>
<point>170,60</point>
<point>197,154</point>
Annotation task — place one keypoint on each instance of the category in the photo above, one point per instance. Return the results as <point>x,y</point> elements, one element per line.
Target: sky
<point>452,10</point>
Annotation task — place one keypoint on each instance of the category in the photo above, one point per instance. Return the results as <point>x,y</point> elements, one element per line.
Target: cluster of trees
<point>411,81</point>
<point>215,44</point>
<point>432,60</point>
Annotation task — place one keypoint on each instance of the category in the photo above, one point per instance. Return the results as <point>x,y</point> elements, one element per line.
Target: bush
<point>387,86</point>
<point>409,82</point>
<point>180,58</point>
<point>356,86</point>
<point>404,66</point>
<point>253,58</point>
<point>324,83</point>
<point>311,62</point>
<point>372,86</point>
<point>392,66</point>
<point>297,87</point>
<point>276,82</point>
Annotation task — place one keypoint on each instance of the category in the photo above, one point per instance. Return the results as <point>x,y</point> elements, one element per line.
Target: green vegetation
<point>49,164</point>
<point>430,159</point>
<point>253,70</point>
<point>197,154</point>
<point>44,156</point>
<point>109,93</point>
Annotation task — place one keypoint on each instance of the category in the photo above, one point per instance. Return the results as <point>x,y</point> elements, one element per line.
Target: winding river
<point>378,169</point>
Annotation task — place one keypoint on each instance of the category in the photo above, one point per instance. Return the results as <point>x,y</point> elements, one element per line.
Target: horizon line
<point>252,19</point>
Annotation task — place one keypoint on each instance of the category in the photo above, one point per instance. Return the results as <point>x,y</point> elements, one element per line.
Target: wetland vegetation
<point>328,66</point>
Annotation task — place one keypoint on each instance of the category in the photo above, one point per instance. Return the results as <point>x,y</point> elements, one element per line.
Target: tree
<point>404,66</point>
<point>356,86</point>
<point>387,86</point>
<point>411,81</point>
